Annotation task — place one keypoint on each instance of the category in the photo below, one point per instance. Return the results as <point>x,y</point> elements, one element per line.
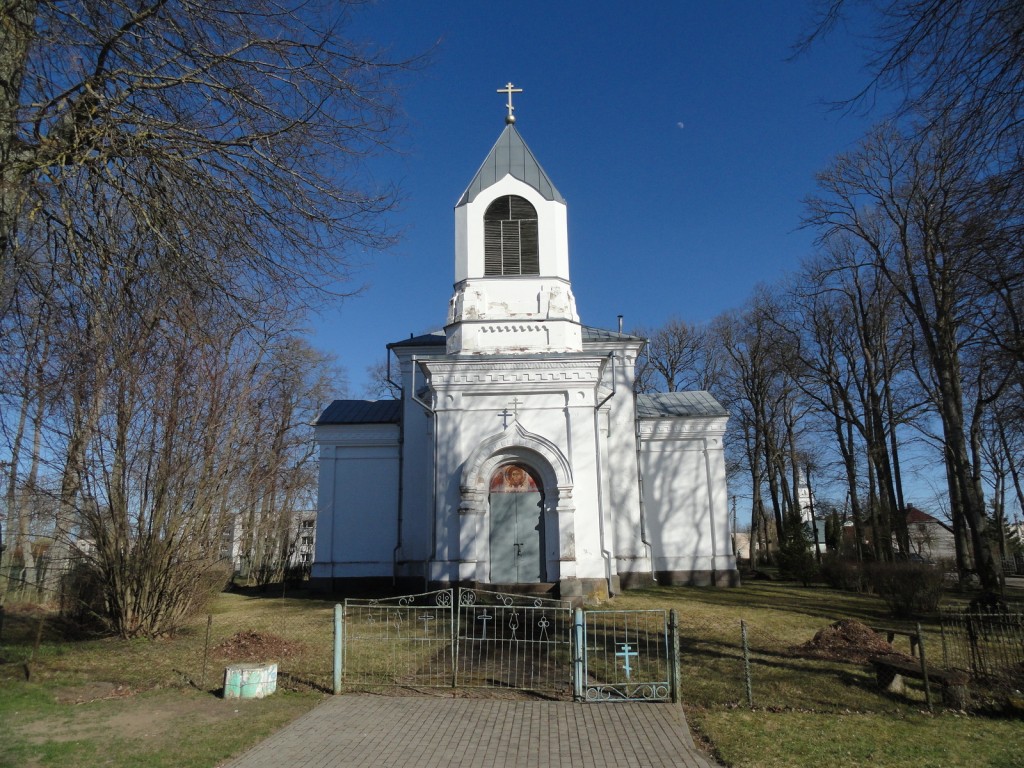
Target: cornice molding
<point>668,428</point>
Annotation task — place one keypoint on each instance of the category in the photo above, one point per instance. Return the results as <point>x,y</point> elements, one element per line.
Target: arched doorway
<point>517,526</point>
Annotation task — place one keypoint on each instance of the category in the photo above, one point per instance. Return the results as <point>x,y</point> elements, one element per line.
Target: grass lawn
<point>811,712</point>
<point>101,701</point>
<point>109,702</point>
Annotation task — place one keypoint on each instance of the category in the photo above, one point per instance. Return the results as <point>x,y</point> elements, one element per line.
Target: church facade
<point>518,455</point>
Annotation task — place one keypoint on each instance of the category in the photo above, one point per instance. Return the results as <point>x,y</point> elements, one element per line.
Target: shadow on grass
<point>302,591</point>
<point>817,602</point>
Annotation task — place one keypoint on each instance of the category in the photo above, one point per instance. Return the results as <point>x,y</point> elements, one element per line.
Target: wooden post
<point>924,668</point>
<point>746,664</point>
<point>206,652</point>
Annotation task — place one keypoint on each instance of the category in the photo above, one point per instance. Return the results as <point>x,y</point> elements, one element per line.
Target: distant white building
<point>930,538</point>
<point>518,453</point>
<point>298,542</point>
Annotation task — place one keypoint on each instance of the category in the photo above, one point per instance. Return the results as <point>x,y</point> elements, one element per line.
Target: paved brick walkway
<point>386,732</point>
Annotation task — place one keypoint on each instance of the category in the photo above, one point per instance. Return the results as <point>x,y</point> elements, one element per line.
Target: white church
<point>518,456</point>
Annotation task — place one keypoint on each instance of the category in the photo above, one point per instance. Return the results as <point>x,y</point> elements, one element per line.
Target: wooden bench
<point>890,635</point>
<point>890,671</point>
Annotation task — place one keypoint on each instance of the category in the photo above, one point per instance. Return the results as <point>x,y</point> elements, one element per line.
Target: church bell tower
<point>512,291</point>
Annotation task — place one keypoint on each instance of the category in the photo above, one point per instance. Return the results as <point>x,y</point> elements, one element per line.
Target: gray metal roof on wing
<point>362,412</point>
<point>437,338</point>
<point>600,334</point>
<point>669,404</point>
<point>510,155</point>
<point>432,339</point>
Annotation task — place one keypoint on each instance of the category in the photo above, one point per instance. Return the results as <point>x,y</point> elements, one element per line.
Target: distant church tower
<point>518,456</point>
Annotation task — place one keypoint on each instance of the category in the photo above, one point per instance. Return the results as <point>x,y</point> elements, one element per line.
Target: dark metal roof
<point>510,155</point>
<point>362,412</point>
<point>432,339</point>
<point>600,334</point>
<point>663,405</point>
<point>437,338</point>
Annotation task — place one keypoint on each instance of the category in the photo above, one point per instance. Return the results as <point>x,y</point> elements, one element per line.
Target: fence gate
<point>398,641</point>
<point>464,637</point>
<point>513,641</point>
<point>626,656</point>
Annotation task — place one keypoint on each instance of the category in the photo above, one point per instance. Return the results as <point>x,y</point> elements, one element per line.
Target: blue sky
<point>680,134</point>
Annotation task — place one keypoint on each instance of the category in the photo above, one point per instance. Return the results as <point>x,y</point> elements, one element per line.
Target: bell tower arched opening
<point>511,243</point>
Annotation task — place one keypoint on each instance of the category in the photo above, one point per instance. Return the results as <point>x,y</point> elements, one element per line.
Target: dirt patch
<point>82,694</point>
<point>846,640</point>
<point>153,716</point>
<point>249,646</point>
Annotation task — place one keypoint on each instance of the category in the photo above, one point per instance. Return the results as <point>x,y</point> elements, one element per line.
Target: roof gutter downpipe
<point>412,393</point>
<point>433,528</point>
<point>401,478</point>
<point>640,489</point>
<point>387,376</point>
<point>606,554</point>
<point>611,356</point>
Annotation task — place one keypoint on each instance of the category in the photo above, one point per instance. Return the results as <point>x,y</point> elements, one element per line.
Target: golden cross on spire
<point>510,89</point>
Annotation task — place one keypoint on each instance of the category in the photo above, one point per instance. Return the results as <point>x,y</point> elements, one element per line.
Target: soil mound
<point>251,646</point>
<point>846,640</point>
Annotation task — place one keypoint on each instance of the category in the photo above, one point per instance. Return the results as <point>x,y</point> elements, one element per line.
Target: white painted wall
<point>685,498</point>
<point>357,500</point>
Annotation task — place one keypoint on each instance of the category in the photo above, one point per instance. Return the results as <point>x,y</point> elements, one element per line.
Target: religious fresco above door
<point>517,527</point>
<point>513,479</point>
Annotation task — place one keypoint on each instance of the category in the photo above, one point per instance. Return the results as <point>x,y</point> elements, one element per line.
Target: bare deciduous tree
<point>911,203</point>
<point>678,356</point>
<point>230,134</point>
<point>179,181</point>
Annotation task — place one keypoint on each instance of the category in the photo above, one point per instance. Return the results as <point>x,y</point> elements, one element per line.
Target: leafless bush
<point>843,573</point>
<point>909,589</point>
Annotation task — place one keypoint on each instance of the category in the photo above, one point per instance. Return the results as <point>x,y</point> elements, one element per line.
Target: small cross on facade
<point>510,89</point>
<point>624,654</point>
<point>504,418</point>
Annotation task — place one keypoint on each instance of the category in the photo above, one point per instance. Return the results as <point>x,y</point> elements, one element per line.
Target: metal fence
<point>474,639</point>
<point>626,656</point>
<point>297,635</point>
<point>404,640</point>
<point>989,646</point>
<point>465,638</point>
<point>512,641</point>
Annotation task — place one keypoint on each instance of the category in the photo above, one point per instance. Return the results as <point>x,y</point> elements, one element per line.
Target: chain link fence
<point>296,634</point>
<point>734,663</point>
